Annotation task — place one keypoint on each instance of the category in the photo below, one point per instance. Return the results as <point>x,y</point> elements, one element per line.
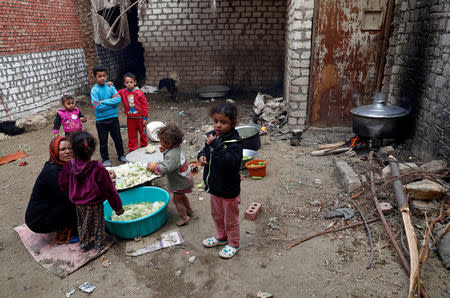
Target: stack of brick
<point>240,43</point>
<point>41,55</point>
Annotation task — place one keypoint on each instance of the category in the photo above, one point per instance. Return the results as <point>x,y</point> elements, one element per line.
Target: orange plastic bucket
<point>256,170</point>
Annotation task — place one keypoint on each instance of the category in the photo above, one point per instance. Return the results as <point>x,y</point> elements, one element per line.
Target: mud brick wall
<point>298,53</point>
<point>40,55</point>
<point>87,37</point>
<point>239,44</point>
<point>417,74</point>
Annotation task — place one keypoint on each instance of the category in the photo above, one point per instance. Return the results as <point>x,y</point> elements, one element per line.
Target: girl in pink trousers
<point>221,157</point>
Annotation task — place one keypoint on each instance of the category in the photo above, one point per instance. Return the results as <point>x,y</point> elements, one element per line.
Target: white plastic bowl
<point>247,152</point>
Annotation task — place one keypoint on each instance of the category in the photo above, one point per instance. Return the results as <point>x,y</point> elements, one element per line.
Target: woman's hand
<point>202,160</point>
<point>151,166</point>
<point>112,174</point>
<point>121,211</point>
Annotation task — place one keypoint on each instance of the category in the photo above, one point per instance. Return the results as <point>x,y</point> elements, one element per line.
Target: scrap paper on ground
<point>149,244</point>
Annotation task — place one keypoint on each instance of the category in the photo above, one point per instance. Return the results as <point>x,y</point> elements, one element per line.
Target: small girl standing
<point>175,168</point>
<point>89,185</point>
<point>222,156</point>
<point>69,116</point>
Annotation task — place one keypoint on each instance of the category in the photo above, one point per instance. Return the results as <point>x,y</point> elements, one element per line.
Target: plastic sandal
<point>213,242</point>
<point>229,251</point>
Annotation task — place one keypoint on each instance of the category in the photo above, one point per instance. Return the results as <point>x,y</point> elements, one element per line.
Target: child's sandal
<point>228,251</point>
<point>213,242</point>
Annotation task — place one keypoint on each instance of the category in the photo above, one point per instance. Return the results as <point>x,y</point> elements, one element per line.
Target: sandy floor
<point>296,192</point>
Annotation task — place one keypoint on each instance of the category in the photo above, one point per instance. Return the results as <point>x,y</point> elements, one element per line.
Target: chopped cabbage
<point>150,149</point>
<point>132,174</point>
<point>138,210</point>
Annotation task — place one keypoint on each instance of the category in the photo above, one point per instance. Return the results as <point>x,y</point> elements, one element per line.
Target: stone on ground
<point>435,166</point>
<point>32,122</point>
<point>425,189</point>
<point>347,177</point>
<point>403,168</point>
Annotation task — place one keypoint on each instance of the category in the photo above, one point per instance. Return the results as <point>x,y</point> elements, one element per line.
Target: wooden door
<point>347,44</point>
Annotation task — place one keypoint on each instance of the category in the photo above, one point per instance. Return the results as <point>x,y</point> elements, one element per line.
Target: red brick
<point>252,211</point>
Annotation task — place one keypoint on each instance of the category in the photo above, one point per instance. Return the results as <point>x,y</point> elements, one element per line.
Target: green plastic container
<point>143,226</point>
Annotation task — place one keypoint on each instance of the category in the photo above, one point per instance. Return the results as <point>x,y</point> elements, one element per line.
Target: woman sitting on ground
<point>49,209</point>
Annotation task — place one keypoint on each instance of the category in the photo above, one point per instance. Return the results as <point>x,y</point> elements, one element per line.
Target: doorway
<point>347,39</point>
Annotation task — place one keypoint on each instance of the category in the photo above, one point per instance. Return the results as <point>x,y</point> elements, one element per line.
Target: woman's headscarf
<point>54,150</point>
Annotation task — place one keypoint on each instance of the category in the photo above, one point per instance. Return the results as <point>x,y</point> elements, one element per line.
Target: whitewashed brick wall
<point>298,53</point>
<point>34,82</point>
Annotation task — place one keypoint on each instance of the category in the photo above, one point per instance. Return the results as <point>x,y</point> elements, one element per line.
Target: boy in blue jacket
<point>105,100</point>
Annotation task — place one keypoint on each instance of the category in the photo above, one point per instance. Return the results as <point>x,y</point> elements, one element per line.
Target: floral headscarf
<point>54,150</point>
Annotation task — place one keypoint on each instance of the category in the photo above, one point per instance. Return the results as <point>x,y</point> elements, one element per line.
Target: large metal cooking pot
<point>378,120</point>
<point>250,136</point>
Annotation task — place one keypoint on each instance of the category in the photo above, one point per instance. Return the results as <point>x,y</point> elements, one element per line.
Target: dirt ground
<point>296,192</point>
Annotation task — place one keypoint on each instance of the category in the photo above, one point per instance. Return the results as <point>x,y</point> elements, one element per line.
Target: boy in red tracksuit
<point>135,107</point>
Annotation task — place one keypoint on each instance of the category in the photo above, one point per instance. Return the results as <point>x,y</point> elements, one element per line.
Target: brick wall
<point>417,73</point>
<point>298,52</point>
<point>240,44</point>
<point>33,82</point>
<point>38,25</point>
<point>40,55</point>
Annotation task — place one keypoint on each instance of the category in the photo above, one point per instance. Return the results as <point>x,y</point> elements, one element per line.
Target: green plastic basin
<point>142,226</point>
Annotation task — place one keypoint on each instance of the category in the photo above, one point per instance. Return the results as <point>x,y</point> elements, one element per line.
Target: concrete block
<point>347,177</point>
<point>252,211</point>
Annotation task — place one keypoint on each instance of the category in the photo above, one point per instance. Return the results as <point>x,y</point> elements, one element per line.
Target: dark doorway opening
<point>128,59</point>
<point>136,49</point>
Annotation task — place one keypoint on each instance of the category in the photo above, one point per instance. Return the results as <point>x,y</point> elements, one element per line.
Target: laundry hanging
<point>103,16</point>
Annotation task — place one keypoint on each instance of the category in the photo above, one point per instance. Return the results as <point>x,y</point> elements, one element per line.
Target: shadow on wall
<point>416,68</point>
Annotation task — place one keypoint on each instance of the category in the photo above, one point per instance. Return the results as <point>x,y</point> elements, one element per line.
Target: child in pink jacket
<point>69,116</point>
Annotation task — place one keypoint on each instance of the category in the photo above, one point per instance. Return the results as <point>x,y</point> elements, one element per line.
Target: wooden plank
<point>330,146</point>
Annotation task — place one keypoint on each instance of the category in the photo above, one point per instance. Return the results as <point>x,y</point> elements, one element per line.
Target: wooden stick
<point>379,275</point>
<point>389,242</point>
<point>330,151</point>
<point>383,219</point>
<point>330,146</point>
<point>443,233</point>
<point>409,229</point>
<point>427,241</point>
<point>331,231</point>
<point>369,235</point>
<point>118,18</point>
